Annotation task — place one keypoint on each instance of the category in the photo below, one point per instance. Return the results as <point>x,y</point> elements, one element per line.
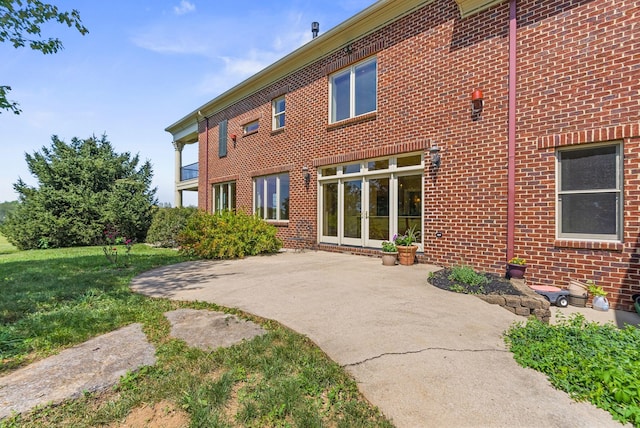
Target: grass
<point>5,246</point>
<point>52,299</point>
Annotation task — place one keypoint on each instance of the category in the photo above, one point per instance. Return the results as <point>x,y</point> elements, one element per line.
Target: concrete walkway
<point>424,356</point>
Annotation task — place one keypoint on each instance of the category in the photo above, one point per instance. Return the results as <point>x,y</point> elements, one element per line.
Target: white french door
<point>368,209</point>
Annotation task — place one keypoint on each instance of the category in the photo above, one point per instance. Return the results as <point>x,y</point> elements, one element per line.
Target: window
<point>224,196</point>
<point>271,197</point>
<point>278,107</point>
<point>354,91</point>
<point>590,192</point>
<point>251,127</point>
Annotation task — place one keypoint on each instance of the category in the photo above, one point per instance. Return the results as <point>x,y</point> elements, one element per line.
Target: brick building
<point>337,144</point>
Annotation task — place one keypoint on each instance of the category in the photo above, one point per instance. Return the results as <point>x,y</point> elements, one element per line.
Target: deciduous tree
<point>20,25</point>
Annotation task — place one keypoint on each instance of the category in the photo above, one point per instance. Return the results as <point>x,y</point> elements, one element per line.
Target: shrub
<point>227,235</point>
<point>167,224</point>
<point>598,363</point>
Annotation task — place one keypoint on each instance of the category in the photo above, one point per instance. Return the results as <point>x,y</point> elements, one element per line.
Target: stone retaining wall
<point>530,303</point>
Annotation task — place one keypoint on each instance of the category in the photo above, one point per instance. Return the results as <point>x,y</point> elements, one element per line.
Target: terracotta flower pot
<point>389,258</point>
<point>407,255</point>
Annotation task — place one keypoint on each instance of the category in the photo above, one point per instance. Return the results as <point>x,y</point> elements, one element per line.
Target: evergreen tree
<point>84,188</point>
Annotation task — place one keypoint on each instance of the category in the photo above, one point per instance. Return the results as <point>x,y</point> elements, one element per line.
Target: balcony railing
<point>189,172</point>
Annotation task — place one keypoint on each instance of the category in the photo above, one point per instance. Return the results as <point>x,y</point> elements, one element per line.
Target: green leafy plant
<point>227,235</point>
<point>596,290</point>
<point>593,362</point>
<point>467,280</point>
<point>112,240</point>
<point>518,261</point>
<point>167,224</point>
<point>409,237</point>
<point>389,247</point>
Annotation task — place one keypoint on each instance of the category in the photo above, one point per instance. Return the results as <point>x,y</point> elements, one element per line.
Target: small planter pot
<point>515,271</point>
<point>389,258</point>
<point>407,255</point>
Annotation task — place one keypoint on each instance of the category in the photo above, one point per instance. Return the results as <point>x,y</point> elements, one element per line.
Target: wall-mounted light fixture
<point>477,104</point>
<point>306,175</point>
<point>234,138</point>
<point>348,49</point>
<point>435,156</point>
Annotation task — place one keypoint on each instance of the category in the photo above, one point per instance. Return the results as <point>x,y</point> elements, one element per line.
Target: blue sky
<point>144,65</point>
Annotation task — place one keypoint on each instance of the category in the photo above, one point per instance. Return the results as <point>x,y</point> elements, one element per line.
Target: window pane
<point>232,196</point>
<point>271,198</point>
<point>351,169</point>
<point>379,164</point>
<point>352,209</point>
<point>224,197</point>
<point>379,208</point>
<point>588,169</point>
<point>330,209</point>
<point>593,213</point>
<point>279,121</point>
<point>365,76</point>
<point>278,105</point>
<point>259,208</point>
<point>251,127</point>
<point>410,204</point>
<point>284,197</point>
<point>340,96</point>
<point>326,172</point>
<point>409,161</point>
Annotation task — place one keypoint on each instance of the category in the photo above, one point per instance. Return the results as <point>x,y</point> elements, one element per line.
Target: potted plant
<point>389,253</point>
<point>516,268</point>
<point>600,302</point>
<point>406,247</point>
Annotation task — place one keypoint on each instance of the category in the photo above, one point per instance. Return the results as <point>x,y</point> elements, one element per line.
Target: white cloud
<point>185,7</point>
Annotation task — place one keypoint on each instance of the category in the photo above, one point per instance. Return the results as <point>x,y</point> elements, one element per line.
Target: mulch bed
<point>495,284</point>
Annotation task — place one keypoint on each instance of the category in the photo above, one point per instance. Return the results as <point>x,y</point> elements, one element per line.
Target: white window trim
<point>619,190</point>
<point>352,90</point>
<point>278,196</point>
<point>275,115</point>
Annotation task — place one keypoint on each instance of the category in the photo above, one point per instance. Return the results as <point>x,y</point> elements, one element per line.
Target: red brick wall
<point>570,78</point>
<point>578,82</point>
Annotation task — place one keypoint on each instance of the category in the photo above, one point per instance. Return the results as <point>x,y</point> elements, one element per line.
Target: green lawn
<point>52,299</point>
<point>5,246</point>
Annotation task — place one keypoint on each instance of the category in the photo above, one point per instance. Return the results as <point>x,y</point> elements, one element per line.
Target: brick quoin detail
<point>577,83</point>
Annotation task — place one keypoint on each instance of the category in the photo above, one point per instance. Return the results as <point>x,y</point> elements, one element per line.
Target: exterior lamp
<point>234,138</point>
<point>477,103</point>
<point>306,175</point>
<point>435,156</point>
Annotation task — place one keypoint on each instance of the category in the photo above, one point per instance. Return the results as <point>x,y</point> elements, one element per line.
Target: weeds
<point>593,362</point>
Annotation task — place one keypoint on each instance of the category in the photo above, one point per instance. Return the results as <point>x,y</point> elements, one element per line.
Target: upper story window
<point>278,109</point>
<point>251,127</point>
<point>589,183</point>
<point>353,91</point>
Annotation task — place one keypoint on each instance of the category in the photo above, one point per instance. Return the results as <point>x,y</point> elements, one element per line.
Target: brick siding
<point>578,82</point>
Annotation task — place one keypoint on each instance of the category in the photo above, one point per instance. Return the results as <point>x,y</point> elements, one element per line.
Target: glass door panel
<point>410,204</point>
<point>352,209</point>
<point>378,215</point>
<point>330,210</point>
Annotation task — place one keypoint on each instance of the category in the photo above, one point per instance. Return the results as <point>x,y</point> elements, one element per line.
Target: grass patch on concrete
<point>52,299</point>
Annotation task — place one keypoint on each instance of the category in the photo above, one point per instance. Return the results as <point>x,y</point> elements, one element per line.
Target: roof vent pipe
<point>315,29</point>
